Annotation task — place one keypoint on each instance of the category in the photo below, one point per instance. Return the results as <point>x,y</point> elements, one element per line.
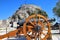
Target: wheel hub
<point>37,28</point>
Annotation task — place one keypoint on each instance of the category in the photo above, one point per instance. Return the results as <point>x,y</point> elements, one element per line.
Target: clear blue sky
<point>8,7</point>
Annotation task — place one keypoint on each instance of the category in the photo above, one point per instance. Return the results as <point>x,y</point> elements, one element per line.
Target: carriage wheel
<point>37,27</point>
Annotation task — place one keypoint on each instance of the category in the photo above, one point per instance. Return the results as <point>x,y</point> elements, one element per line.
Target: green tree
<point>56,10</point>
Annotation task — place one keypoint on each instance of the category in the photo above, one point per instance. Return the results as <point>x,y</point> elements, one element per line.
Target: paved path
<point>54,36</point>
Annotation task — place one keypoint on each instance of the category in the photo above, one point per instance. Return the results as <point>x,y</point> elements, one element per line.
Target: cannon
<point>35,27</point>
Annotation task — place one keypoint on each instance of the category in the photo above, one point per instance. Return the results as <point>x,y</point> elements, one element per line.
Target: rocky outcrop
<point>23,12</point>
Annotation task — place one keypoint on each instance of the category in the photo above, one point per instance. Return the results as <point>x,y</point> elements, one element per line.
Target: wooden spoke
<point>38,19</point>
<point>28,38</point>
<point>46,36</point>
<point>31,23</point>
<point>43,33</point>
<point>29,27</point>
<point>39,36</point>
<point>44,29</point>
<point>35,36</point>
<point>34,20</point>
